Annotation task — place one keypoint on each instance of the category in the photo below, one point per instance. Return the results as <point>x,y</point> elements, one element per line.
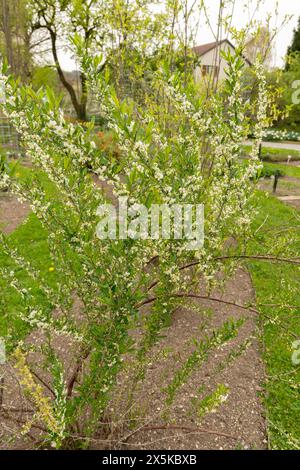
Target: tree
<point>62,19</point>
<point>16,36</point>
<point>260,44</point>
<point>126,33</point>
<point>138,38</point>
<point>295,46</point>
<point>45,76</point>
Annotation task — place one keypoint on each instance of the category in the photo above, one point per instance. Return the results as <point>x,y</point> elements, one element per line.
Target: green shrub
<point>113,279</point>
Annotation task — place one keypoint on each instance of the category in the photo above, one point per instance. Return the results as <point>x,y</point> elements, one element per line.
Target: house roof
<point>204,48</point>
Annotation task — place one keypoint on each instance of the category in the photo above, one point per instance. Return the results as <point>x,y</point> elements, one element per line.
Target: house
<point>212,63</point>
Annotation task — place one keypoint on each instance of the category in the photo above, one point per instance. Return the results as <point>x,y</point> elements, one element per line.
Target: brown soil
<point>12,212</point>
<point>287,186</point>
<point>237,423</point>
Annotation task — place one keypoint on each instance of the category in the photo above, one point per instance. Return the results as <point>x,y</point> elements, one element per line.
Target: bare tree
<point>259,44</point>
<point>62,18</point>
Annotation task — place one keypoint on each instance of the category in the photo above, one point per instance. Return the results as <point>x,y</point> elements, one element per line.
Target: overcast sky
<point>241,16</point>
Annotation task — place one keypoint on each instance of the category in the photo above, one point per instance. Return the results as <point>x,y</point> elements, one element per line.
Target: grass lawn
<point>273,154</point>
<point>30,238</point>
<point>271,282</point>
<point>288,170</point>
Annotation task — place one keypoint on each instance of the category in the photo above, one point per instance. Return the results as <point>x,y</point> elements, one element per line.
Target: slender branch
<point>20,421</point>
<point>182,428</point>
<point>262,258</point>
<point>200,297</point>
<point>11,409</point>
<point>214,299</point>
<point>272,259</point>
<point>43,382</point>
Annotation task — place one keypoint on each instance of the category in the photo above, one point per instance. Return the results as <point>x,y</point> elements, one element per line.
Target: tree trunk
<point>84,96</point>
<point>80,107</point>
<point>7,34</point>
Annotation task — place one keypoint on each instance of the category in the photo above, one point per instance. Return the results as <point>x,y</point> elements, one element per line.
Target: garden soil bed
<point>12,212</point>
<point>288,189</point>
<point>239,422</point>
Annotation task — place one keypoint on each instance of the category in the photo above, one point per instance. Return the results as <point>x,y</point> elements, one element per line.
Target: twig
<point>12,409</point>
<point>20,421</point>
<point>200,297</point>
<point>214,299</point>
<point>271,259</point>
<point>183,428</point>
<point>43,382</point>
<point>253,257</point>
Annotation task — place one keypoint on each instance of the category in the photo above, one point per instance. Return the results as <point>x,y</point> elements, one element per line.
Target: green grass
<point>273,154</point>
<point>272,284</point>
<point>288,170</point>
<point>30,239</point>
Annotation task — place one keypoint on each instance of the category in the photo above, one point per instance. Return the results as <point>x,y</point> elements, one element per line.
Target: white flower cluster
<point>279,135</point>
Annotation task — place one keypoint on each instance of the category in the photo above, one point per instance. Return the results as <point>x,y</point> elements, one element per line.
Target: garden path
<point>279,145</point>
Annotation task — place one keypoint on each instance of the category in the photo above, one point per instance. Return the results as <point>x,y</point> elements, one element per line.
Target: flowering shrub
<point>277,135</point>
<point>191,158</point>
<point>6,170</point>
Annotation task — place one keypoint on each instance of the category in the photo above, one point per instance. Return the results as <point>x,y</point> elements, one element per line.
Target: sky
<point>240,19</point>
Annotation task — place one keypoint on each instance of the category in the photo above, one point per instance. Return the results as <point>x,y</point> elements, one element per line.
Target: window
<point>209,70</point>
